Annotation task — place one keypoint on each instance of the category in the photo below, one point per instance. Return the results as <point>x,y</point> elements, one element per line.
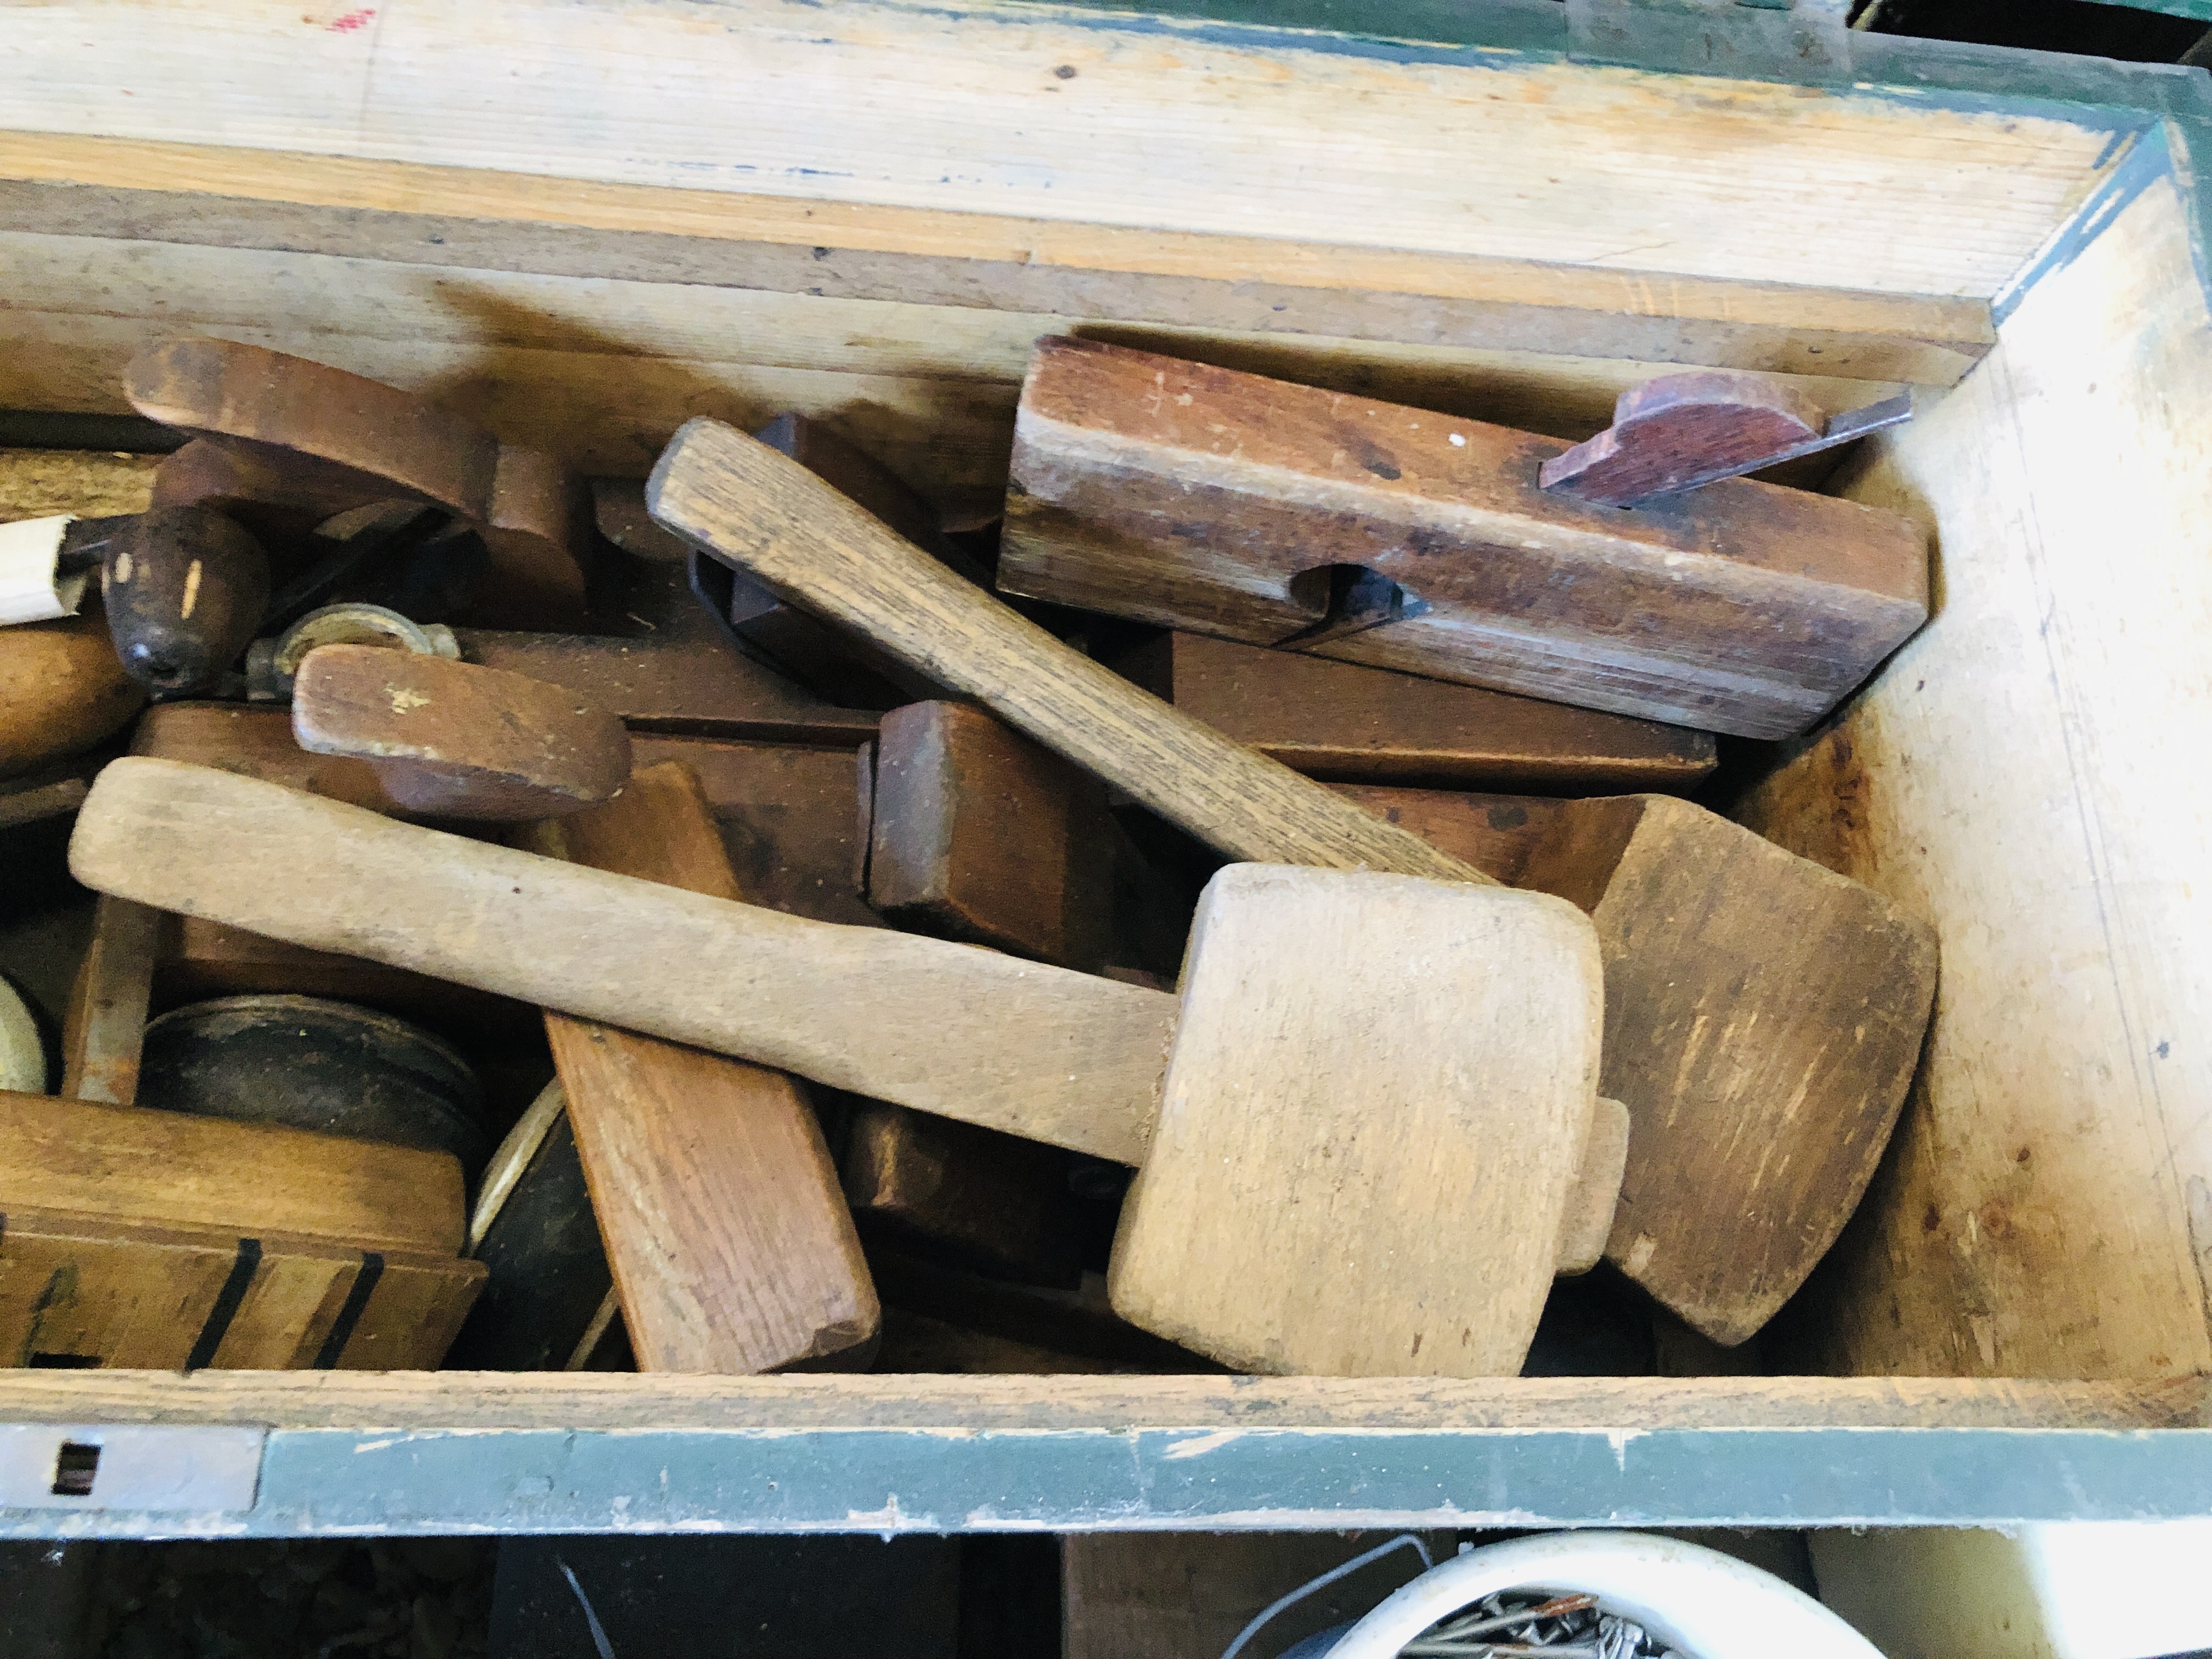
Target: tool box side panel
<point>2027,773</point>
<point>1124,121</point>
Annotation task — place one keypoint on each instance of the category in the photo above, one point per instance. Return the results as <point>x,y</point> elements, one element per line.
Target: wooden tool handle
<point>771,517</point>
<point>952,1029</point>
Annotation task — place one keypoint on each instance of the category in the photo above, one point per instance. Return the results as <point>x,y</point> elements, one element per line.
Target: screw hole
<point>74,1466</point>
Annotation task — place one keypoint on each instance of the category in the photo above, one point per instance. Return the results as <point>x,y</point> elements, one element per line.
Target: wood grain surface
<point>80,1292</point>
<point>1064,1057</point>
<point>770,516</point>
<point>1202,498</point>
<point>1764,1017</point>
<point>731,1244</point>
<point>1682,428</point>
<point>1587,1222</point>
<point>976,833</point>
<point>127,1163</point>
<point>1375,1113</point>
<point>457,739</point>
<point>1350,723</point>
<point>971,1195</point>
<point>104,1032</point>
<point>283,442</point>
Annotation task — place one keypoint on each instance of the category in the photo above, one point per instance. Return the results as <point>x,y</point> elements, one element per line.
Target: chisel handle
<point>763,512</point>
<point>952,1029</point>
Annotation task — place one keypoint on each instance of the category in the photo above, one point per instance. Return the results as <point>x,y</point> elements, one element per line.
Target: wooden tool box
<point>582,225</point>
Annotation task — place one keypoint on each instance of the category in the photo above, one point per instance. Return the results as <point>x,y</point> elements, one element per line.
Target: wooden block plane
<point>1349,724</point>
<point>731,1249</point>
<point>1226,503</point>
<point>164,1241</point>
<point>984,1199</point>
<point>456,740</point>
<point>283,444</point>
<point>1290,1239</point>
<point>975,833</point>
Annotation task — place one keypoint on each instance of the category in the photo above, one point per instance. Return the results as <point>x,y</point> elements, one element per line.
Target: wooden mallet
<point>1363,1129</point>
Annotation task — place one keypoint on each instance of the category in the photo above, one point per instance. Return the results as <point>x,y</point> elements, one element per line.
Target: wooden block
<point>1359,1007</point>
<point>1764,1019</point>
<point>77,1292</point>
<point>1346,723</point>
<point>975,1196</point>
<point>283,444</point>
<point>965,1311</point>
<point>688,685</point>
<point>457,739</point>
<point>1226,503</point>
<point>978,834</point>
<point>172,1170</point>
<point>731,1246</point>
<point>1174,1595</point>
<point>1493,833</point>
<point>104,1034</point>
<point>62,690</point>
<point>789,819</point>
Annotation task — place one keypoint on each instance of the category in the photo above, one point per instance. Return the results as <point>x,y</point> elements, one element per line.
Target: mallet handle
<point>769,516</point>
<point>952,1029</point>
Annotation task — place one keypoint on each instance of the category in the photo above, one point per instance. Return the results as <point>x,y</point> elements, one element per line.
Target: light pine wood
<point>1064,1058</point>
<point>1192,497</point>
<point>1585,164</point>
<point>731,1244</point>
<point>1350,723</point>
<point>771,517</point>
<point>1269,1406</point>
<point>457,739</point>
<point>1357,1170</point>
<point>135,1296</point>
<point>2025,774</point>
<point>164,1169</point>
<point>104,1031</point>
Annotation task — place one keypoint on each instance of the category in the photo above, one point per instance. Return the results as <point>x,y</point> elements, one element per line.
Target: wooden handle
<point>770,516</point>
<point>952,1029</point>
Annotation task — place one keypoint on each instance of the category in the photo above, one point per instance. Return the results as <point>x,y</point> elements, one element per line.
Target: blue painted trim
<point>912,1479</point>
<point>2149,158</point>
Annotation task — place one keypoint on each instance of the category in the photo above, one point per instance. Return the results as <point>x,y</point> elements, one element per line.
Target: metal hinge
<point>1806,42</point>
<point>166,1468</point>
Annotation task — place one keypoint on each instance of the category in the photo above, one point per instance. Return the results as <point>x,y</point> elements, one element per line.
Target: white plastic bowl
<point>1708,1605</point>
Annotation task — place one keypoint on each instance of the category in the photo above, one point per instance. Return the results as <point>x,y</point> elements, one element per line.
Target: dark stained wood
<point>1677,432</point>
<point>103,1031</point>
<point>688,685</point>
<point>978,834</point>
<point>1074,1322</point>
<point>185,589</point>
<point>283,444</point>
<point>1494,833</point>
<point>731,1246</point>
<point>1224,503</point>
<point>1347,723</point>
<point>457,739</point>
<point>974,1196</point>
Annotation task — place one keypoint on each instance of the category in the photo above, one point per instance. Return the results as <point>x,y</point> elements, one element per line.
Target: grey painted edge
<point>349,1481</point>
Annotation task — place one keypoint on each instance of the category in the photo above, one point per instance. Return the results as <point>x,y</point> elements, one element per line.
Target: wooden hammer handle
<point>769,516</point>
<point>952,1029</point>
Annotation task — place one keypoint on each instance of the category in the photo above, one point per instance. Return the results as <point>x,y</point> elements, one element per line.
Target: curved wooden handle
<point>952,1029</point>
<point>772,518</point>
